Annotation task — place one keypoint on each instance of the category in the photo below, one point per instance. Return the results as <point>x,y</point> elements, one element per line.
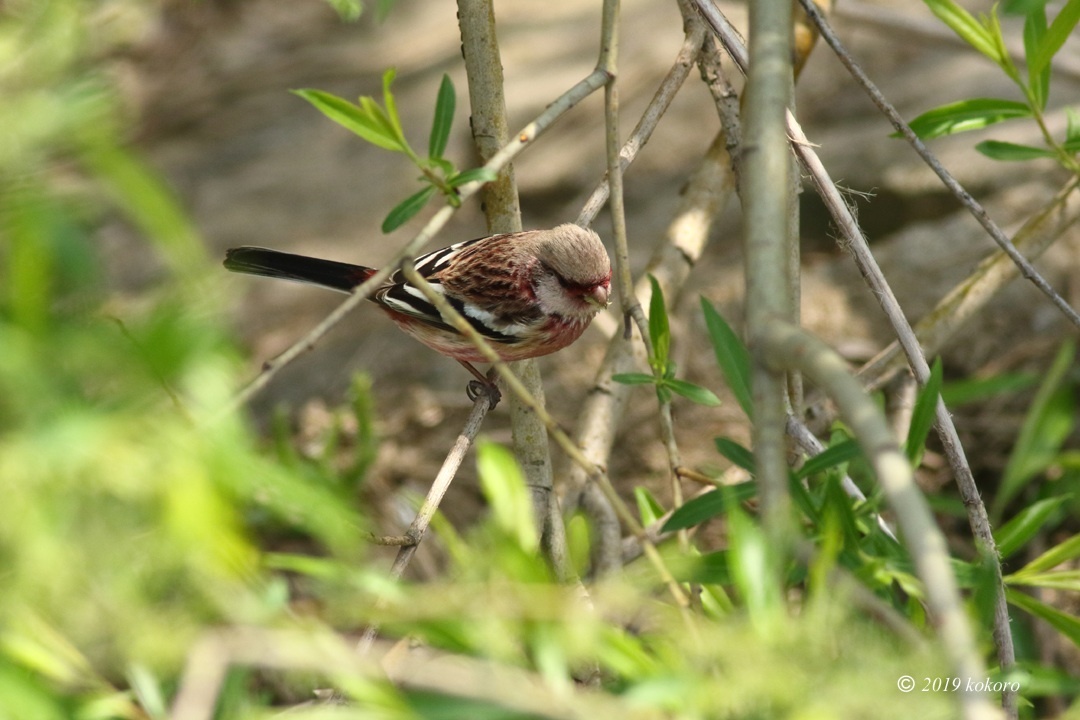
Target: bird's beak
<point>598,297</point>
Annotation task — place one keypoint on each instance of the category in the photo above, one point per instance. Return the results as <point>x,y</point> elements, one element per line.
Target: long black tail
<point>300,268</point>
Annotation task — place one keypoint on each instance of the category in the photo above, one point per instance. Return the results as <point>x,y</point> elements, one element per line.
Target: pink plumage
<point>529,293</point>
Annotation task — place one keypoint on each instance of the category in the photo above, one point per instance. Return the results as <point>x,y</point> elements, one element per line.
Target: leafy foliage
<point>381,126</point>
<point>1042,41</point>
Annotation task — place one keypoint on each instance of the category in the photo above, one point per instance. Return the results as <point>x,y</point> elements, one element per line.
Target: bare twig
<point>442,481</point>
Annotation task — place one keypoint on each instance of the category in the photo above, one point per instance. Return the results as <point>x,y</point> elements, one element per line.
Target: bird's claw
<point>475,389</point>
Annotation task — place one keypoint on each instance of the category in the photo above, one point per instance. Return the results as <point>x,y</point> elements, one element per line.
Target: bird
<point>528,293</point>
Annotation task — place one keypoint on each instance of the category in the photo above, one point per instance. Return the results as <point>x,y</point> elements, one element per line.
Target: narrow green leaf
<point>659,331</point>
<point>391,106</point>
<point>351,118</point>
<point>1048,422</point>
<point>1034,32</point>
<point>960,392</point>
<point>480,174</point>
<point>634,378</point>
<point>961,22</point>
<point>973,114</point>
<point>444,118</point>
<point>736,453</point>
<point>731,356</point>
<point>1022,7</point>
<point>379,119</point>
<point>1068,580</point>
<point>1060,553</point>
<point>923,414</point>
<point>649,508</point>
<point>1012,152</point>
<point>829,458</point>
<point>406,209</point>
<point>1056,35</point>
<point>1068,625</point>
<point>710,505</point>
<point>1014,534</point>
<point>692,392</point>
<point>752,565</point>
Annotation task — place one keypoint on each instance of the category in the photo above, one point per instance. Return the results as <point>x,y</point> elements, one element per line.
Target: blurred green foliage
<point>139,515</point>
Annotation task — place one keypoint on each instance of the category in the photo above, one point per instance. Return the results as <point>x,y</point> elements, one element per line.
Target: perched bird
<point>528,293</point>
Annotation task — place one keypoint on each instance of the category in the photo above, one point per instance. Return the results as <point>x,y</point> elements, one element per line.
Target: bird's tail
<point>300,268</point>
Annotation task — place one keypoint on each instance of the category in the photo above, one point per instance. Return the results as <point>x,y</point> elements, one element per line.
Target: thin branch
<point>974,207</point>
<point>941,325</point>
<point>419,525</point>
<point>501,204</point>
<point>766,199</point>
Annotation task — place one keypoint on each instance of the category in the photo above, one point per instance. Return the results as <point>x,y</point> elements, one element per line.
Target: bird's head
<point>574,275</point>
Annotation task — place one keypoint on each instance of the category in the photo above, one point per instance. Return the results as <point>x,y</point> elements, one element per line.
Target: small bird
<point>528,293</point>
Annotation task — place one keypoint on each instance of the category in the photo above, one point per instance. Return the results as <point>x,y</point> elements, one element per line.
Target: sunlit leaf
<point>1061,553</point>
<point>659,331</point>
<point>507,494</point>
<point>1034,33</point>
<point>1056,35</point>
<point>649,508</point>
<point>966,115</point>
<point>961,22</point>
<point>634,378</point>
<point>1067,625</point>
<point>352,118</point>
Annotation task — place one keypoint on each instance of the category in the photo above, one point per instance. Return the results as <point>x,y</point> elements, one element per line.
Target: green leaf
<point>923,414</point>
<point>965,115</point>
<point>347,10</point>
<point>1072,126</point>
<point>406,209</point>
<point>1060,553</point>
<point>960,392</point>
<point>659,331</point>
<point>391,107</point>
<point>1014,534</point>
<point>1056,35</point>
<point>1022,7</point>
<point>710,505</point>
<point>1048,422</point>
<point>649,508</point>
<point>378,118</point>
<point>736,453</point>
<point>692,392</point>
<point>970,30</point>
<point>731,356</point>
<point>480,174</point>
<point>634,378</point>
<point>351,117</point>
<point>1066,624</point>
<point>444,118</point>
<point>1034,32</point>
<point>829,458</point>
<point>508,497</point>
<point>1012,152</point>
